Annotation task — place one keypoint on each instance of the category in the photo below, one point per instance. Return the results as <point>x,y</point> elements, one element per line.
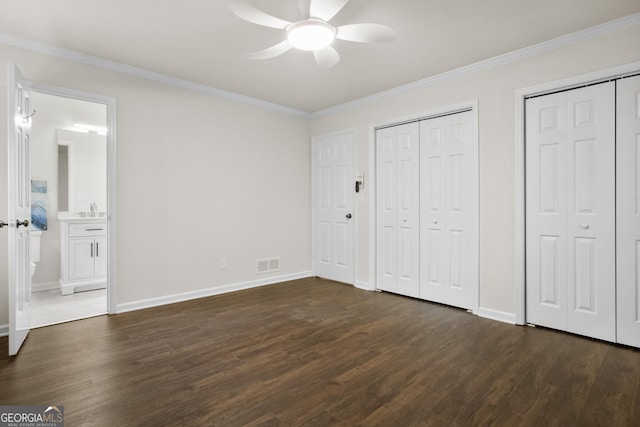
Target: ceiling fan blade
<point>327,57</point>
<point>248,12</point>
<point>326,9</point>
<point>271,52</point>
<point>304,8</point>
<point>365,33</point>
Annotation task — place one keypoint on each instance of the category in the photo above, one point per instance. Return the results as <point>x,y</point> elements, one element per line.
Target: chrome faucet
<point>93,207</point>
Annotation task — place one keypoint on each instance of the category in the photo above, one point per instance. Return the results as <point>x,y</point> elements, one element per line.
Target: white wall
<point>494,89</point>
<point>199,178</point>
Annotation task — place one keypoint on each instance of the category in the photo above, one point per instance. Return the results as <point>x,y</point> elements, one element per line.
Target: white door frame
<point>354,220</point>
<point>371,180</point>
<point>110,103</point>
<point>519,167</point>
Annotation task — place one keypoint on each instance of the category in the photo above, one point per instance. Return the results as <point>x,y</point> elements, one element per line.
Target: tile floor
<point>49,307</point>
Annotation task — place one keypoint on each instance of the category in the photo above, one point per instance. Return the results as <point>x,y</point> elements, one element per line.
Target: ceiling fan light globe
<point>311,34</point>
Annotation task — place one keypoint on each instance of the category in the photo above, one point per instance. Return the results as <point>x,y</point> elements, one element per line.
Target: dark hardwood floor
<point>315,352</point>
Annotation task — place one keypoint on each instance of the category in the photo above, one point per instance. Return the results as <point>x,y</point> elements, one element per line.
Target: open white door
<point>333,226</point>
<point>19,212</point>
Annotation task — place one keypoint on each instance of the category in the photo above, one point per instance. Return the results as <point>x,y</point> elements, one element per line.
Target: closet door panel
<point>433,210</point>
<point>386,230</point>
<point>397,157</point>
<point>408,190</point>
<point>570,211</point>
<point>546,211</point>
<point>591,219</point>
<point>461,221</point>
<point>628,211</point>
<point>448,218</point>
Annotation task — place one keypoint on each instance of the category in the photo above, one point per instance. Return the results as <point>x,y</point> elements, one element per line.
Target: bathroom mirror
<point>82,171</point>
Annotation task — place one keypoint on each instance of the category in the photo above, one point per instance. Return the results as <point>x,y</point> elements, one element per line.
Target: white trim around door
<point>110,103</point>
<point>519,167</point>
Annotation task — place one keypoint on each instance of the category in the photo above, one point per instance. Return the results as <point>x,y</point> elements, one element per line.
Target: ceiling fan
<point>313,33</point>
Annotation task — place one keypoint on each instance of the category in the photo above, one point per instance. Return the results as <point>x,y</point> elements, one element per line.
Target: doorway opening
<point>72,183</point>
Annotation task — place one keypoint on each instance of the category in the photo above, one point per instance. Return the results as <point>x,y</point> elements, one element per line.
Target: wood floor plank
<point>313,352</point>
<point>614,397</point>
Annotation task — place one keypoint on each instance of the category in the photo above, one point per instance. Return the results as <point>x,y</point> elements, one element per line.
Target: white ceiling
<point>202,41</point>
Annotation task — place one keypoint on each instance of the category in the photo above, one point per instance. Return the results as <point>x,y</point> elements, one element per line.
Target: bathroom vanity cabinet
<point>83,254</point>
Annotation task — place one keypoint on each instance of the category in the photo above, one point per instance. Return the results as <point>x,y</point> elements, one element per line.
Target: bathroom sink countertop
<point>76,217</point>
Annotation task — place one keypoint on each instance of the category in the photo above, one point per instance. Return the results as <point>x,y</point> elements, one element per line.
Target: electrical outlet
<point>223,263</point>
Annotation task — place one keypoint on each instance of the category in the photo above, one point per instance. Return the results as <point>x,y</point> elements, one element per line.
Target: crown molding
<point>516,55</point>
<point>537,49</point>
<point>94,61</point>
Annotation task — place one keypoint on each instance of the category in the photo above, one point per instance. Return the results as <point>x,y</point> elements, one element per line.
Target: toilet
<point>35,249</point>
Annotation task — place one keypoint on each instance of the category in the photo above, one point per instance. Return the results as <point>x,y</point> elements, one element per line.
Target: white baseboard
<point>170,299</point>
<point>498,315</point>
<point>365,286</point>
<point>487,313</point>
<point>202,293</point>
<point>44,286</point>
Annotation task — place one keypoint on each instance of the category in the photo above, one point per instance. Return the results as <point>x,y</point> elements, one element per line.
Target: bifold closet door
<point>397,199</point>
<point>570,211</point>
<point>628,210</point>
<point>448,221</point>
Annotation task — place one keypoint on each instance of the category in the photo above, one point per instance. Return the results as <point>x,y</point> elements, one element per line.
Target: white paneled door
<point>448,211</point>
<point>570,211</point>
<point>19,278</point>
<point>332,199</point>
<point>398,206</point>
<point>628,210</point>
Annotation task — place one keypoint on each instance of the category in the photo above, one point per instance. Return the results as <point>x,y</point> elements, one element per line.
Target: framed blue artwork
<point>39,205</point>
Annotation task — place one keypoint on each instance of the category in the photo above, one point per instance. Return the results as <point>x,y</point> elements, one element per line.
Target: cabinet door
<point>100,256</point>
<point>81,255</point>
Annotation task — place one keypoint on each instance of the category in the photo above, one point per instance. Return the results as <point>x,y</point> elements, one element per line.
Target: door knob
<point>2,224</point>
<point>585,226</point>
<point>435,221</point>
<point>24,223</point>
<point>348,216</point>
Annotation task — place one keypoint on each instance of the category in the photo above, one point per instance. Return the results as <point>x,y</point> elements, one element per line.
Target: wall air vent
<point>267,265</point>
